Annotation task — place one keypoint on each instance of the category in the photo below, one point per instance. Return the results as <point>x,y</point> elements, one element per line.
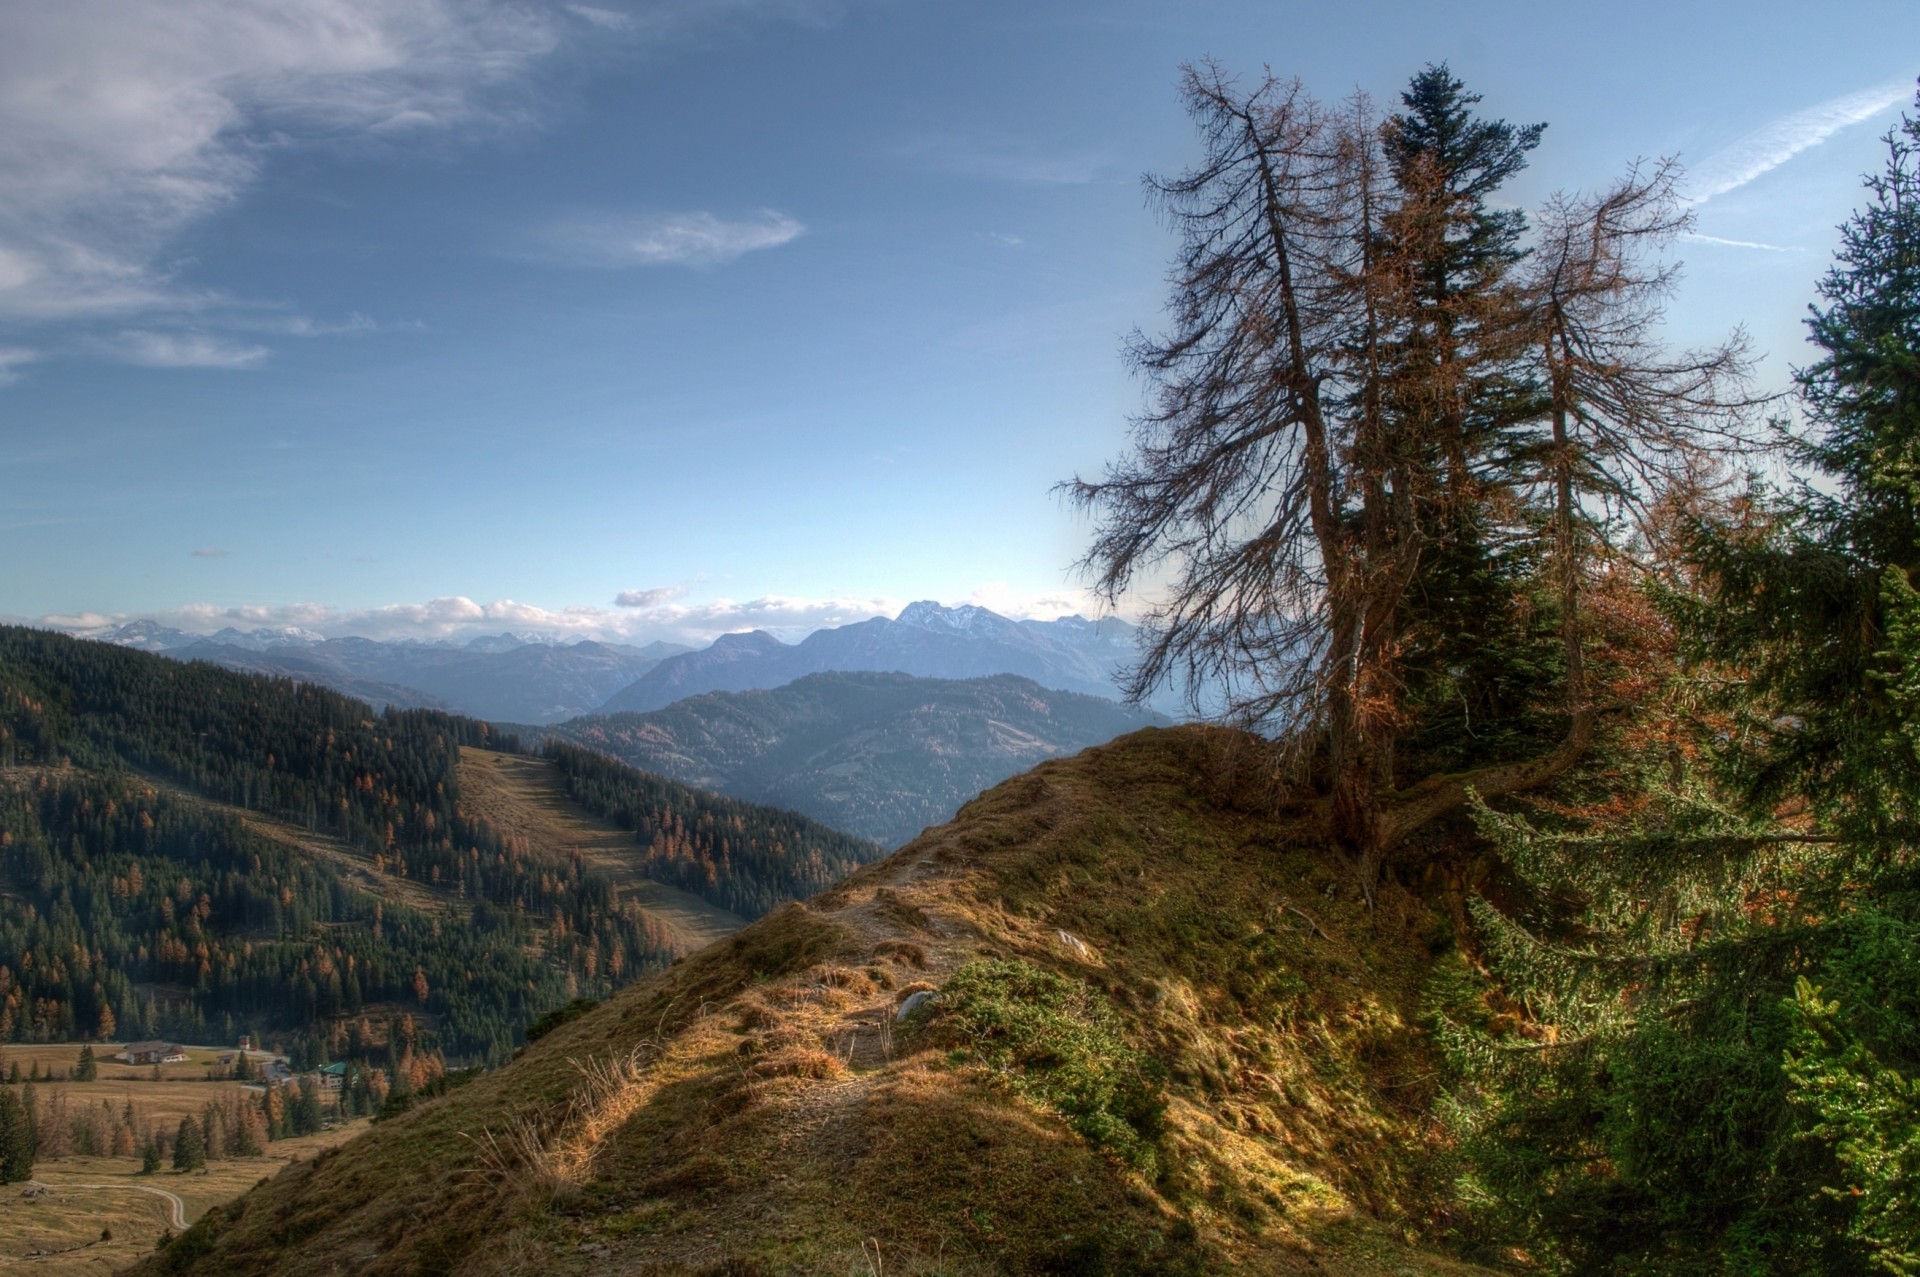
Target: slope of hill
<point>1166,1036</point>
<point>499,677</point>
<point>189,851</point>
<point>1072,654</point>
<point>881,756</point>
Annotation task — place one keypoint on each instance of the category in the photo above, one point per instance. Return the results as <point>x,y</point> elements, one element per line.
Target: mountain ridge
<point>881,756</point>
<point>1070,654</point>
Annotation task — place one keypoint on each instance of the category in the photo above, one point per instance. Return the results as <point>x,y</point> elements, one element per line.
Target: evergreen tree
<point>86,1070</point>
<point>16,1140</point>
<point>189,1146</point>
<point>150,1156</point>
<point>1725,1074</point>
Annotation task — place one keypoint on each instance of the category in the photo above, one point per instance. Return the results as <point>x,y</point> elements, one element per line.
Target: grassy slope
<point>527,798</point>
<point>770,1119</point>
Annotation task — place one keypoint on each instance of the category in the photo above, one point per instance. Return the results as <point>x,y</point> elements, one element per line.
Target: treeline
<point>130,910</point>
<point>129,913</point>
<point>733,854</point>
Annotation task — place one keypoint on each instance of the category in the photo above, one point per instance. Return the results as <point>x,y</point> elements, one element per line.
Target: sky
<point>665,318</point>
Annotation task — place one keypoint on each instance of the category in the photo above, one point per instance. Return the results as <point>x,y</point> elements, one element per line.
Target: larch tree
<point>1346,471</point>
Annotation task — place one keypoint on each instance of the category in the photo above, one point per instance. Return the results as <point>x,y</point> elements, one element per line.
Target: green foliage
<point>559,1016</point>
<point>1059,1044</point>
<point>86,1069</point>
<point>16,1139</point>
<point>189,1146</point>
<point>1869,1114</point>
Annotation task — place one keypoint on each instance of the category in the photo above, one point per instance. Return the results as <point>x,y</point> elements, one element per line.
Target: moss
<point>1060,1044</point>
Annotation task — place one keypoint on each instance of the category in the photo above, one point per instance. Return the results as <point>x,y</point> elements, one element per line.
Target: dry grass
<point>66,1224</point>
<point>757,1110</point>
<point>527,798</point>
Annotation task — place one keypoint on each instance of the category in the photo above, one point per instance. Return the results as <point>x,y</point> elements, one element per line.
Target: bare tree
<point>1305,425</point>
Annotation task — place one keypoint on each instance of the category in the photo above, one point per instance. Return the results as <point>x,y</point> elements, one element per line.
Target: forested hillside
<point>879,755</point>
<point>139,900</point>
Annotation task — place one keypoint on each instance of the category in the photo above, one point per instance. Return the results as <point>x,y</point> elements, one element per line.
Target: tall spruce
<point>1475,658</point>
<point>1722,969</point>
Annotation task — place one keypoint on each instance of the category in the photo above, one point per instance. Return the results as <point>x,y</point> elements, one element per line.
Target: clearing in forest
<point>527,797</point>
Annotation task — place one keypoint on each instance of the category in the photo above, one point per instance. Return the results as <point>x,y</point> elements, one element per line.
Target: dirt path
<point>177,1208</point>
<point>527,797</point>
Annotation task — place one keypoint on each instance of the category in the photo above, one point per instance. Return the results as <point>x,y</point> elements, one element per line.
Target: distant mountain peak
<point>965,618</point>
<point>750,641</point>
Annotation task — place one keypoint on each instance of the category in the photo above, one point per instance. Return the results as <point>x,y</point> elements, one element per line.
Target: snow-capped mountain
<point>1072,654</point>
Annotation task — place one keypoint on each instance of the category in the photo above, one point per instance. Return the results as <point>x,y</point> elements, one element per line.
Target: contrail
<point>1772,145</point>
<point>1698,238</point>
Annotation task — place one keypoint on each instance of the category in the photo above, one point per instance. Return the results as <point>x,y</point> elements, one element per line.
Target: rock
<point>1077,947</point>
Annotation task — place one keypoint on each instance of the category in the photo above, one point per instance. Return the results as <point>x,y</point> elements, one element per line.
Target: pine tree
<point>86,1070</point>
<point>16,1140</point>
<point>150,1156</point>
<point>189,1146</point>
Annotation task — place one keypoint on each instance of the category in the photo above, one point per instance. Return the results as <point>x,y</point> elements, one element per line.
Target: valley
<point>881,756</point>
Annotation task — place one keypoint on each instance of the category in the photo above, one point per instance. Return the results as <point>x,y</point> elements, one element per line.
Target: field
<point>53,1224</point>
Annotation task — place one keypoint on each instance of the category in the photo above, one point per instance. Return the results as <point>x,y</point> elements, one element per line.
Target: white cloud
<point>459,618</point>
<point>210,552</point>
<point>1773,144</point>
<point>185,350</point>
<point>124,121</point>
<point>645,598</point>
<point>666,239</point>
<point>12,359</point>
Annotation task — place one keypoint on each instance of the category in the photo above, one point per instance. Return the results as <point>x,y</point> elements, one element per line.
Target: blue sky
<point>669,317</point>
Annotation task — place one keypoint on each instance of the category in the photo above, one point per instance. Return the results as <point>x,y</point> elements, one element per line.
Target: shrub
<point>1059,1044</point>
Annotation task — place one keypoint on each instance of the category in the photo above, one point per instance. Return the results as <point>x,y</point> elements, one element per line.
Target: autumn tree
<point>1371,419</point>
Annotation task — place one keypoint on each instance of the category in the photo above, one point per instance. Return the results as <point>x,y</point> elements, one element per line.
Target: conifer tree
<point>86,1070</point>
<point>189,1146</point>
<point>16,1140</point>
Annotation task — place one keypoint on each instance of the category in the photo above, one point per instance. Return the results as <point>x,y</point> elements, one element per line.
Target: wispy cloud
<point>1720,242</point>
<point>185,350</point>
<point>210,552</point>
<point>124,121</point>
<point>665,239</point>
<point>1004,161</point>
<point>12,360</point>
<point>606,19</point>
<point>1773,144</point>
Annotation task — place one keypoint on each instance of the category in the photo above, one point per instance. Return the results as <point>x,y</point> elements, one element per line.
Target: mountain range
<point>1071,654</point>
<point>497,677</point>
<point>539,681</point>
<point>344,863</point>
<point>880,756</point>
